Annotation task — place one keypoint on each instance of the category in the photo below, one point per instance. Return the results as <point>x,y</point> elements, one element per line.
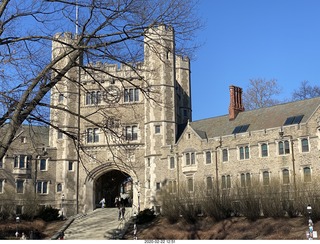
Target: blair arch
<point>107,181</point>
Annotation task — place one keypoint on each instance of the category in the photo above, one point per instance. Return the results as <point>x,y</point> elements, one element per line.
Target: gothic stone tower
<point>131,164</point>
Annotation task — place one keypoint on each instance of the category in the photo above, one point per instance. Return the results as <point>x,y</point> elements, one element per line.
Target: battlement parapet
<point>63,35</point>
<point>182,62</point>
<point>160,30</point>
<point>115,67</point>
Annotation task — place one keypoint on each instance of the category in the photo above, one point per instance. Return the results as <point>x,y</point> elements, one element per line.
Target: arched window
<point>59,187</point>
<point>225,181</point>
<point>225,155</point>
<point>172,164</point>
<point>244,152</point>
<point>284,147</point>
<point>285,176</point>
<point>264,150</point>
<point>241,151</point>
<point>190,184</point>
<point>245,180</point>
<point>265,178</point>
<point>305,145</point>
<point>208,157</point>
<point>307,174</point>
<point>209,184</point>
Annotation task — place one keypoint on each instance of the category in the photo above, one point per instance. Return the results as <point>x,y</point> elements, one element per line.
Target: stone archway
<point>110,185</point>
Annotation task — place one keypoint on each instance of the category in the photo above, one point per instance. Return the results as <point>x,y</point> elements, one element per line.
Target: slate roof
<point>39,134</point>
<point>259,119</point>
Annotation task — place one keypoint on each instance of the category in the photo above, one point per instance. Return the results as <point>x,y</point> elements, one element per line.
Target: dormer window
<point>240,129</point>
<point>293,120</point>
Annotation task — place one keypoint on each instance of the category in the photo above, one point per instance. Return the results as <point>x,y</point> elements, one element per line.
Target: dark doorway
<point>111,185</point>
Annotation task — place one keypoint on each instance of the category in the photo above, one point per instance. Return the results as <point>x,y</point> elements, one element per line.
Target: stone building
<point>138,137</point>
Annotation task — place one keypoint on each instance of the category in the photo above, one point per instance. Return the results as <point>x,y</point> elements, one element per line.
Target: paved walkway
<point>99,224</point>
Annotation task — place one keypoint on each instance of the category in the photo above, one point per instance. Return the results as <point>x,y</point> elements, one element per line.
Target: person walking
<point>23,236</point>
<point>123,211</point>
<point>103,202</point>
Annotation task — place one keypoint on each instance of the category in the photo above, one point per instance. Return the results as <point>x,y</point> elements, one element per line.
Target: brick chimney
<point>236,105</point>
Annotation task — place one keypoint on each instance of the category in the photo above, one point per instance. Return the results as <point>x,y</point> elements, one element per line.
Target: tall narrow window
<point>98,97</point>
<point>23,139</point>
<point>248,178</point>
<point>60,134</point>
<point>88,98</point>
<point>264,150</point>
<point>225,155</point>
<point>190,184</point>
<point>59,187</point>
<point>208,157</point>
<point>134,133</point>
<point>243,180</point>
<point>305,145</point>
<point>148,184</point>
<point>1,185</point>
<point>89,135</point>
<point>285,176</point>
<point>246,152</point>
<point>170,186</point>
<point>61,97</point>
<point>158,186</point>
<point>265,178</point>
<point>280,146</point>
<point>187,159</point>
<point>96,135</point>
<point>228,181</point>
<point>286,147</point>
<point>241,152</point>
<point>43,164</point>
<point>209,184</point>
<point>148,162</point>
<point>157,129</point>
<point>193,160</point>
<point>136,94</point>
<point>307,174</point>
<point>70,166</point>
<point>172,165</point>
<point>19,186</point>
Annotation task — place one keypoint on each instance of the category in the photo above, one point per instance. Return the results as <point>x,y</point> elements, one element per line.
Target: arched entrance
<point>112,184</point>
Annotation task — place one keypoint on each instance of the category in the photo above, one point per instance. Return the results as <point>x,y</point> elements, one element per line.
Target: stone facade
<point>146,136</point>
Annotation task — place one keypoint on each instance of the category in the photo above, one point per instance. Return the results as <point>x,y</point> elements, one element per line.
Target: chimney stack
<point>236,105</point>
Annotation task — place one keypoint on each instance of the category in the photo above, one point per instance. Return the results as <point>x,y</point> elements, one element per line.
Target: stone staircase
<point>100,224</point>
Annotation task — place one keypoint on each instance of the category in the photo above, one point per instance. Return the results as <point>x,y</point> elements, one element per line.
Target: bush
<point>48,213</point>
<point>4,215</point>
<point>145,216</point>
<point>170,207</point>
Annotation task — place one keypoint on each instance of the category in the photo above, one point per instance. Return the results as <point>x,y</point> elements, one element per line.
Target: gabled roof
<point>39,134</point>
<point>258,119</point>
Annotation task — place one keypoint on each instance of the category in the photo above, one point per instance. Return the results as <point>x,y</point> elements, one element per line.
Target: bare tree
<point>261,93</point>
<point>108,30</point>
<point>305,91</point>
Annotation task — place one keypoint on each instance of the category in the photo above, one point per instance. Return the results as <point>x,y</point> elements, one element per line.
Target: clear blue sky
<point>248,39</point>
